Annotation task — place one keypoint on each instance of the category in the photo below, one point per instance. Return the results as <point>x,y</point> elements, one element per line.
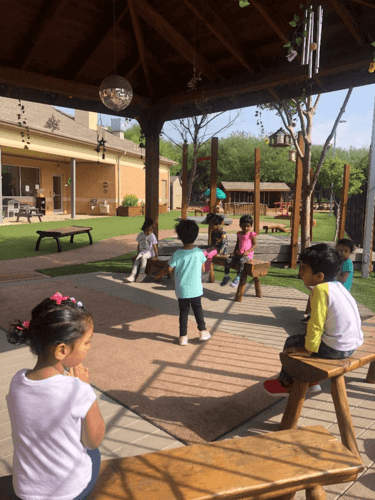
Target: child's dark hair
<point>187,231</point>
<point>346,243</point>
<point>147,223</point>
<point>51,324</point>
<point>214,219</point>
<point>246,219</point>
<point>324,259</point>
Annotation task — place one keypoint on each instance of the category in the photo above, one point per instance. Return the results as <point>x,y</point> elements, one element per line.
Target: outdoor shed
<point>243,192</point>
<point>175,192</point>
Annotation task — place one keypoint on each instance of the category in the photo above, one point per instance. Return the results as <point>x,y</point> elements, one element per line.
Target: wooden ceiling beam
<point>31,80</point>
<point>273,78</point>
<point>346,19</point>
<point>44,17</point>
<point>219,29</point>
<point>141,45</point>
<point>78,61</point>
<point>173,37</point>
<point>267,17</point>
<point>367,4</point>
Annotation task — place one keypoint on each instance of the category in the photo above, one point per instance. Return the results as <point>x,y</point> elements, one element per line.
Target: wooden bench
<point>254,268</point>
<point>276,464</point>
<point>61,232</point>
<point>155,265</point>
<point>307,370</point>
<point>23,212</point>
<point>277,227</point>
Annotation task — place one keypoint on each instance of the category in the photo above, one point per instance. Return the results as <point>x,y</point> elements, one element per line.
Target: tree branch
<point>329,138</point>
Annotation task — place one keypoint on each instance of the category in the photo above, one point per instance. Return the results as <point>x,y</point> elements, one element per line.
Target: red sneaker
<point>274,388</point>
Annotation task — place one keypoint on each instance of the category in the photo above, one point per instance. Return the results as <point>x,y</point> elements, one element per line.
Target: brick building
<point>41,166</point>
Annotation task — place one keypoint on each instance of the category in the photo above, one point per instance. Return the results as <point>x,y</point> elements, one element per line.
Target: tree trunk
<point>192,175</point>
<point>306,198</point>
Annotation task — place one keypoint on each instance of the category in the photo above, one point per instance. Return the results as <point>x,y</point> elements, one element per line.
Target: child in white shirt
<point>147,249</point>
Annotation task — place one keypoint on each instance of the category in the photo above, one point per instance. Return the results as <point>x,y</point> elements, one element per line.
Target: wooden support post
<point>213,173</point>
<point>151,125</point>
<point>213,178</point>
<point>184,203</point>
<point>296,205</point>
<point>256,189</point>
<point>344,201</point>
<point>311,207</point>
<point>370,379</point>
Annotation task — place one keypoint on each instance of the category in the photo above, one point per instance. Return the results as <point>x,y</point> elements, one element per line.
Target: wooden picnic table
<point>29,212</point>
<point>61,232</point>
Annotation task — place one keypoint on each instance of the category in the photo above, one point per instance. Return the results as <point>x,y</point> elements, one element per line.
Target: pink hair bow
<point>25,325</point>
<point>59,298</point>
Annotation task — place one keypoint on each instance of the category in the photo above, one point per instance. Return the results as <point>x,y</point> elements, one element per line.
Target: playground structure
<point>289,210</point>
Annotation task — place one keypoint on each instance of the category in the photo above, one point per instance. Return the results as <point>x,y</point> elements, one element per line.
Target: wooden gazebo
<point>59,52</point>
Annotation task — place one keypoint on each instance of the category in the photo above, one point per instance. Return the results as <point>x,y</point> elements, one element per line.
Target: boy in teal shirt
<point>188,265</point>
<point>345,248</point>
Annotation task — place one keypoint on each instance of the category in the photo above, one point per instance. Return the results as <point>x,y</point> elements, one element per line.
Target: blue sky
<point>356,132</point>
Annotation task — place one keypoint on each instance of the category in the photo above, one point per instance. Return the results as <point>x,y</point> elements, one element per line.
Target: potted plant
<point>129,206</point>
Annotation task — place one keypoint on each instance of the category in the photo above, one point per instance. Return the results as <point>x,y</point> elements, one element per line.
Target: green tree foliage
<point>332,173</point>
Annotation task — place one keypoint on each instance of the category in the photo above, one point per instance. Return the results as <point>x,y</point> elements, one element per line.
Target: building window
<point>17,179</point>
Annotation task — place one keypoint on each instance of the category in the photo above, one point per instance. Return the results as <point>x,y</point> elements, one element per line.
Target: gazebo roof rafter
<point>59,53</point>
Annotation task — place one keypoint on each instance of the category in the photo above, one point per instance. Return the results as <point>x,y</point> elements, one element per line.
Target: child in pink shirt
<point>243,252</point>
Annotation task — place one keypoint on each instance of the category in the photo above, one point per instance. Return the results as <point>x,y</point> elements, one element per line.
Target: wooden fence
<point>243,209</point>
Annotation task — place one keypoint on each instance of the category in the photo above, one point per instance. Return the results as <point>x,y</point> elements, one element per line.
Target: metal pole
<point>73,189</point>
<point>370,204</point>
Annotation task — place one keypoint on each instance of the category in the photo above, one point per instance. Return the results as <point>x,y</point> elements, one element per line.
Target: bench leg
<point>71,238</point>
<point>287,496</point>
<point>241,288</point>
<point>294,405</point>
<point>212,273</point>
<point>258,290</point>
<point>344,419</point>
<point>38,243</point>
<point>58,243</point>
<point>370,379</point>
<point>40,218</point>
<point>316,493</point>
<point>90,237</point>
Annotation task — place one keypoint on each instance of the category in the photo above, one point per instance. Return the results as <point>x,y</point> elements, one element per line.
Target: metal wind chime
<point>309,47</point>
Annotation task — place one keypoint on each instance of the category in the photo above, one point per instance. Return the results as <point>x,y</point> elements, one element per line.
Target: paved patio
<point>128,434</point>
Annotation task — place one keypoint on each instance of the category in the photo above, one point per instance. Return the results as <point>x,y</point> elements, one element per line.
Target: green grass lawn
<point>17,241</point>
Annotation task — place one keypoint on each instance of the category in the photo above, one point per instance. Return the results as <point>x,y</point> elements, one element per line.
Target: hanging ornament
<point>116,92</point>
<point>52,123</point>
<point>193,82</point>
<point>22,123</point>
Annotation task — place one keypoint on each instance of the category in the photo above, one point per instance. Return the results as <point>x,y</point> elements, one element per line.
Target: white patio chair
<point>13,208</point>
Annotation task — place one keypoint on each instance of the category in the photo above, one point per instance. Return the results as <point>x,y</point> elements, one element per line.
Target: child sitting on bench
<point>219,241</point>
<point>243,251</point>
<point>147,249</point>
<point>334,330</point>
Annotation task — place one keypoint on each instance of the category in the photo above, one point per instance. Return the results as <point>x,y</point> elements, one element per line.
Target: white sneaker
<point>183,340</point>
<point>204,335</point>
<point>130,279</point>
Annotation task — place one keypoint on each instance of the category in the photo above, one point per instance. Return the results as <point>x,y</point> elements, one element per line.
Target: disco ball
<point>116,92</point>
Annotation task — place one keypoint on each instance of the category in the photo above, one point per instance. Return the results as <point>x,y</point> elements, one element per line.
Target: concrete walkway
<point>128,434</point>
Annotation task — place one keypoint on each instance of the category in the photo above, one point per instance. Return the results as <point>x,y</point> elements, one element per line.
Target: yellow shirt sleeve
<point>319,309</point>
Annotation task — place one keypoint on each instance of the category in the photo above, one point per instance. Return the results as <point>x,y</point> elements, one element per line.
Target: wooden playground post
<point>213,174</point>
<point>256,189</point>
<point>311,207</point>
<point>344,201</point>
<point>296,205</point>
<point>213,178</point>
<point>184,201</point>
